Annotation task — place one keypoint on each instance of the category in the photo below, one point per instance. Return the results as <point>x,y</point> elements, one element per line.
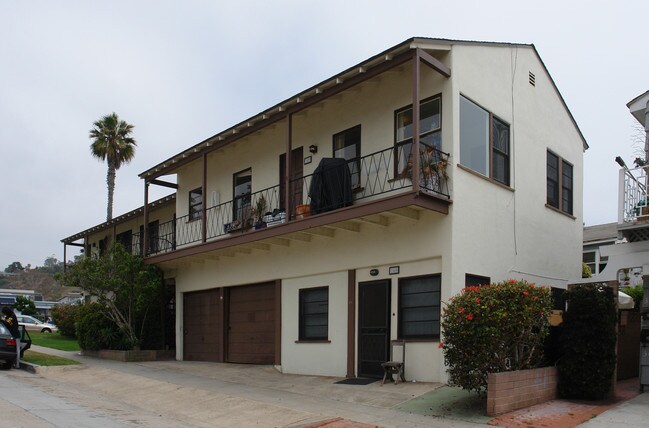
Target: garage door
<point>251,317</point>
<point>202,326</point>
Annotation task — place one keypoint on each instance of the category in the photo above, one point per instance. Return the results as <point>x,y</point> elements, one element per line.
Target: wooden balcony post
<point>414,151</point>
<point>145,228</point>
<point>288,166</point>
<point>204,204</point>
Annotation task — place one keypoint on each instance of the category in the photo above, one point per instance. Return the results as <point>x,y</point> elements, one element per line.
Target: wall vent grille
<point>532,79</point>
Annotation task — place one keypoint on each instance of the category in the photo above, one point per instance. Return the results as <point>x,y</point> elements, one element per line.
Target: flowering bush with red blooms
<point>65,317</point>
<point>494,328</point>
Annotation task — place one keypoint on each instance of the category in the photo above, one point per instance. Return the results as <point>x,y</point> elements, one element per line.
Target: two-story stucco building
<point>312,234</point>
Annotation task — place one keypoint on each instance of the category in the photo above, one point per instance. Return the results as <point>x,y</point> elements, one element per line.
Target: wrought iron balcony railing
<point>634,199</point>
<point>336,183</point>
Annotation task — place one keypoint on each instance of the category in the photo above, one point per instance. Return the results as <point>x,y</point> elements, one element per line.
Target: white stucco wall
<point>492,230</point>
<point>510,233</point>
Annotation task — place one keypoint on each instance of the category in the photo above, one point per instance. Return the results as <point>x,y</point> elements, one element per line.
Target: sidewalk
<point>200,393</point>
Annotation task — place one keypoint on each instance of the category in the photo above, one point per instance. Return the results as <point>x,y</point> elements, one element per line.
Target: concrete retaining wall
<point>130,356</point>
<point>508,391</point>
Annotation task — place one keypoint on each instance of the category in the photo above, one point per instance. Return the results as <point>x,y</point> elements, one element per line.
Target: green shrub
<point>96,331</point>
<point>494,328</point>
<point>636,293</point>
<point>65,318</point>
<point>588,342</point>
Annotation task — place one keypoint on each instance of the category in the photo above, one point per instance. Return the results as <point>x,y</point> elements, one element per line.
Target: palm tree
<point>114,144</point>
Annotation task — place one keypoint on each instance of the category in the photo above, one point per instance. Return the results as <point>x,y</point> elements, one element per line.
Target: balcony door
<point>297,182</point>
<point>242,190</point>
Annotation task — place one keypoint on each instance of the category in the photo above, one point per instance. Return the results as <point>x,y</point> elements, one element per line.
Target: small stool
<point>396,364</point>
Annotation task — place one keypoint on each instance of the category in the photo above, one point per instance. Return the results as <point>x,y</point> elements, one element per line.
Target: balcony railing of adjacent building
<point>334,184</point>
<point>633,196</point>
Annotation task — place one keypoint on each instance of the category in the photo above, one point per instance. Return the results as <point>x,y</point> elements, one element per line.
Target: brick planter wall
<point>508,391</point>
<point>130,356</point>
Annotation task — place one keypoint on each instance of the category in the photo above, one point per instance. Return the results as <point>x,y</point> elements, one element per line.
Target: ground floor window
<point>314,313</point>
<point>419,307</point>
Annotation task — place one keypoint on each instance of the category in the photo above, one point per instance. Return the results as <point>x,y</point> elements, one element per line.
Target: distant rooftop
<point>600,232</point>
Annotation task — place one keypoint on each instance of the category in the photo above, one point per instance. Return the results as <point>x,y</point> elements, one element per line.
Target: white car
<point>32,324</point>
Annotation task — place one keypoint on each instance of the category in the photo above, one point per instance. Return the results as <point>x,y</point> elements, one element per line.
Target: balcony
<point>633,214</point>
<point>330,194</point>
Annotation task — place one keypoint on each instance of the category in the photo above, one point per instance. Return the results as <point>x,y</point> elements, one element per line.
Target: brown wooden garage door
<point>203,326</point>
<point>251,333</point>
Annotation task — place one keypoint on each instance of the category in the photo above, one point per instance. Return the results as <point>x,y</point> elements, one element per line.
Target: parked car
<point>8,346</point>
<point>32,324</point>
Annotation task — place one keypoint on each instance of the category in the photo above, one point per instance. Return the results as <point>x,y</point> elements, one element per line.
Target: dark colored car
<point>8,346</point>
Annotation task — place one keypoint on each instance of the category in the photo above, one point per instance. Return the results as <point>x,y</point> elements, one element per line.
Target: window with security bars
<point>314,313</point>
<point>419,307</point>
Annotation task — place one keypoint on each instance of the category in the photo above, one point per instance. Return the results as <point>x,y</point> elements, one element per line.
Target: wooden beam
<point>434,63</point>
<point>348,226</point>
<point>376,221</point>
<point>299,236</point>
<point>164,184</point>
<point>321,231</point>
<point>279,241</point>
<point>407,213</point>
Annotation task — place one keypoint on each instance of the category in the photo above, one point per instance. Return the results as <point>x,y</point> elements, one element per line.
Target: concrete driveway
<point>167,393</point>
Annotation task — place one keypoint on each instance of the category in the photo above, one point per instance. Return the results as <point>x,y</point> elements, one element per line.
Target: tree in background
<point>14,268</point>
<point>112,142</point>
<point>25,306</point>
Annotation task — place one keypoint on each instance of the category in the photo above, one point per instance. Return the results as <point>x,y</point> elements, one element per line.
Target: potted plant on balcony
<point>260,212</point>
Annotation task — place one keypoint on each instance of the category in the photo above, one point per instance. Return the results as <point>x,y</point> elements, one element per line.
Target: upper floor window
<point>242,183</point>
<point>314,313</point>
<point>419,307</point>
<point>430,130</point>
<point>195,204</point>
<point>347,145</point>
<point>559,183</point>
<point>484,142</point>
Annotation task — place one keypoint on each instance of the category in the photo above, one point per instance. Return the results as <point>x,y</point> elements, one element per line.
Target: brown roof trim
<point>120,219</point>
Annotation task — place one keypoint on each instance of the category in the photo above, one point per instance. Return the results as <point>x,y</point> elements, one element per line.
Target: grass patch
<point>46,360</point>
<point>55,341</point>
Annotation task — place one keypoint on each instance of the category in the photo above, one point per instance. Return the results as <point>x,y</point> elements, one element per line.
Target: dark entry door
<point>297,182</point>
<point>374,327</point>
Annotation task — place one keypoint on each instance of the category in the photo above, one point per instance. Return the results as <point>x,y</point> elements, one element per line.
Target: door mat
<point>356,381</point>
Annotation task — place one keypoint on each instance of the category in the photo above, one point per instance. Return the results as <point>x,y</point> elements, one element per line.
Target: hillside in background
<point>34,279</point>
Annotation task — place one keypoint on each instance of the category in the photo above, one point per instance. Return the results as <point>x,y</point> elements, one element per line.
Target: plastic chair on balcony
<point>396,364</point>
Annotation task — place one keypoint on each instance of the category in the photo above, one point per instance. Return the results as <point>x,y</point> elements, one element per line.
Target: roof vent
<point>532,79</point>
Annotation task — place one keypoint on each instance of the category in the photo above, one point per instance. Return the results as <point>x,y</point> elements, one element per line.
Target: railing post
<point>173,233</point>
<point>287,169</point>
<point>621,196</point>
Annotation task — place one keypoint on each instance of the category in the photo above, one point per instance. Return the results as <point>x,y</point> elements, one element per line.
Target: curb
<point>29,367</point>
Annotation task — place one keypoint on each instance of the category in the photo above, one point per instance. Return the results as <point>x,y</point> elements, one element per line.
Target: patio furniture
<point>396,364</point>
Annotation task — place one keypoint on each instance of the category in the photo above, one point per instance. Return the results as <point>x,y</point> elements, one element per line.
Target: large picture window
<point>314,313</point>
<point>484,142</point>
<point>195,204</point>
<point>419,307</point>
<point>430,130</point>
<point>559,183</point>
<point>347,145</point>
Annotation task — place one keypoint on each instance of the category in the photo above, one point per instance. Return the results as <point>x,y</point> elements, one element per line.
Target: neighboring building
<point>629,257</point>
<point>595,237</point>
<point>301,237</point>
<point>13,293</point>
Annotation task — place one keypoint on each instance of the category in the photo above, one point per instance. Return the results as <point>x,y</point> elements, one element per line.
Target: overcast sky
<point>181,71</point>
